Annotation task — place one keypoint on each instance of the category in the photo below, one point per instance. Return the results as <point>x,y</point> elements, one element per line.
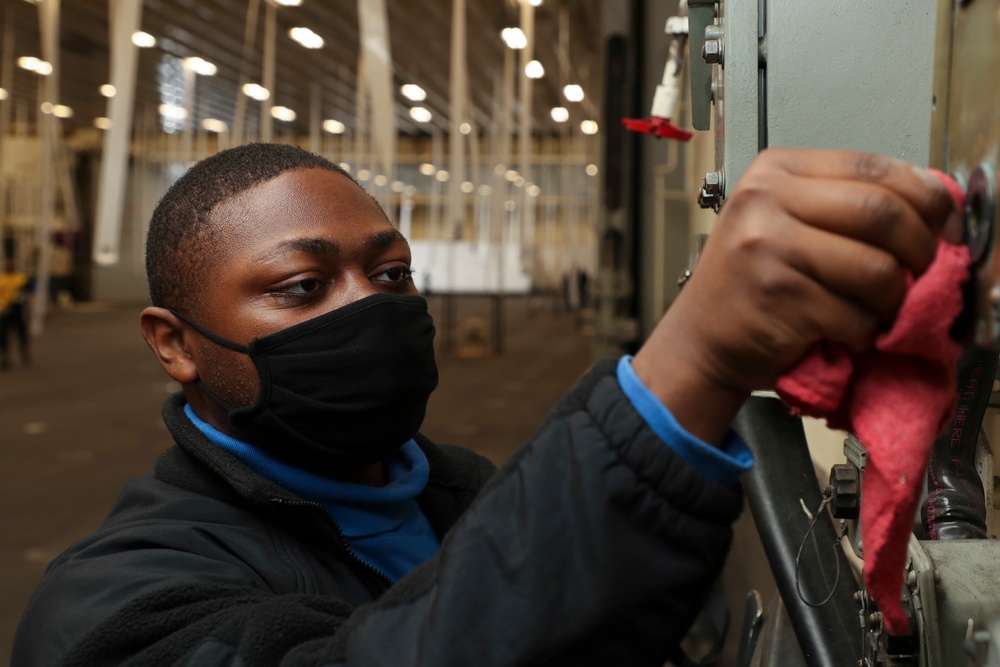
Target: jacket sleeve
<point>595,544</point>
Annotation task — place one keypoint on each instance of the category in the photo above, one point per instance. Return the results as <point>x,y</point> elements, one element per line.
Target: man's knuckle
<point>871,167</point>
<point>879,210</point>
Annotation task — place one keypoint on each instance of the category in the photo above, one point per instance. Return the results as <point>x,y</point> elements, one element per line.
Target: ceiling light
<point>364,174</point>
<point>46,107</point>
<point>591,170</point>
<point>511,175</point>
<point>283,113</point>
<point>412,91</point>
<point>427,169</point>
<point>36,65</point>
<point>514,38</point>
<point>200,66</point>
<point>306,38</point>
<point>519,181</point>
<point>534,70</point>
<point>588,126</point>
<point>468,187</point>
<point>333,126</point>
<point>62,111</point>
<point>398,186</point>
<point>500,169</point>
<point>509,205</point>
<point>102,123</point>
<point>560,114</point>
<point>3,94</point>
<point>256,91</point>
<point>289,3</point>
<point>214,125</point>
<point>343,165</point>
<point>143,39</point>
<point>381,180</point>
<point>485,190</point>
<point>107,90</point>
<point>172,111</point>
<point>410,190</point>
<point>465,128</point>
<point>442,175</point>
<point>534,190</point>
<point>573,92</point>
<point>535,3</point>
<point>420,114</point>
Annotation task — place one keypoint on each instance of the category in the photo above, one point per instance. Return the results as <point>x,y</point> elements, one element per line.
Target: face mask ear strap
<point>218,340</point>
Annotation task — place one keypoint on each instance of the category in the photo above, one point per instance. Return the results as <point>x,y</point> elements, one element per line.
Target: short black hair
<point>181,243</point>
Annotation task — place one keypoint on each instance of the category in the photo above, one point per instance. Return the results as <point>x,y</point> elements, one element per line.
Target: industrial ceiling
<point>567,40</point>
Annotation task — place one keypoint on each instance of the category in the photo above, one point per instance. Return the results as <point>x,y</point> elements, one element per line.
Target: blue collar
<point>360,510</point>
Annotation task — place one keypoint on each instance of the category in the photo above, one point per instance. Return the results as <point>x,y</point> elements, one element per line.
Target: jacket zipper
<point>382,576</point>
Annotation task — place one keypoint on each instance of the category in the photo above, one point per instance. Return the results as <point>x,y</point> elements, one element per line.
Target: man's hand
<point>810,245</point>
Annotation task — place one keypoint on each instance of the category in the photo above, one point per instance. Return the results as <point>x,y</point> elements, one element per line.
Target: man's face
<point>294,248</point>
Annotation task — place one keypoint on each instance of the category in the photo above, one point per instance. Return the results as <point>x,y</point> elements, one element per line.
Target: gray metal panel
<point>736,95</point>
<point>851,74</point>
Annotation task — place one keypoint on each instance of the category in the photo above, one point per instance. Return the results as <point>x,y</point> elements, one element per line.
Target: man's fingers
<point>869,213</point>
<point>921,190</point>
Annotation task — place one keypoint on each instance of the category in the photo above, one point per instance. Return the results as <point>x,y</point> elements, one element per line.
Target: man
<point>13,294</point>
<point>302,520</point>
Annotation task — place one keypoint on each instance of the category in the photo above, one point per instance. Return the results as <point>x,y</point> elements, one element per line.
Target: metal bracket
<point>701,14</point>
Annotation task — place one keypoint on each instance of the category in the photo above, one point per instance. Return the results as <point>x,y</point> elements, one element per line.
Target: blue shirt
<point>384,525</point>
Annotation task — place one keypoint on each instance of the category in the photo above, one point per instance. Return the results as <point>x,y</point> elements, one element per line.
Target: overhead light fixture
<point>200,66</point>
<point>102,123</point>
<point>465,128</point>
<point>333,126</point>
<point>535,3</point>
<point>420,114</point>
<point>519,181</point>
<point>485,190</point>
<point>107,90</point>
<point>510,205</point>
<point>511,175</point>
<point>381,180</point>
<point>427,169</point>
<point>364,174</point>
<point>256,91</point>
<point>398,186</point>
<point>3,94</point>
<point>534,190</point>
<point>410,190</point>
<point>412,91</point>
<point>591,169</point>
<point>468,187</point>
<point>559,114</point>
<point>46,107</point>
<point>534,70</point>
<point>36,65</point>
<point>573,92</point>
<point>143,39</point>
<point>61,111</point>
<point>283,113</point>
<point>173,111</point>
<point>289,3</point>
<point>306,38</point>
<point>500,169</point>
<point>346,167</point>
<point>442,175</point>
<point>588,126</point>
<point>214,125</point>
<point>514,38</point>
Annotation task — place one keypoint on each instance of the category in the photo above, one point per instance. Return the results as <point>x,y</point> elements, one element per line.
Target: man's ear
<point>164,334</point>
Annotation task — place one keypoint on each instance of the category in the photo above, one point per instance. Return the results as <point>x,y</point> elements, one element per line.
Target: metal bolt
<point>713,52</point>
<point>711,190</point>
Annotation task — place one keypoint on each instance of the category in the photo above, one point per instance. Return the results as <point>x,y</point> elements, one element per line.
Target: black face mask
<point>343,390</point>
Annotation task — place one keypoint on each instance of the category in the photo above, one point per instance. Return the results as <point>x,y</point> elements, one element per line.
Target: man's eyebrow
<point>383,240</point>
<point>309,245</point>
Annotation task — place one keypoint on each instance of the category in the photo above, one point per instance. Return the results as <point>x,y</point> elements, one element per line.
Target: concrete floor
<point>85,418</point>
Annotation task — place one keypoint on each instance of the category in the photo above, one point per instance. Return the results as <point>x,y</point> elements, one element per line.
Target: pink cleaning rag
<point>896,399</point>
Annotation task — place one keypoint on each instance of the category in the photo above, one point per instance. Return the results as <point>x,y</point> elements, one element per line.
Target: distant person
<point>14,288</point>
<point>302,519</point>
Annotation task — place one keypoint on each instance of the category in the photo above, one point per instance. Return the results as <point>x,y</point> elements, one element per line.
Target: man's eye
<point>396,274</point>
<point>303,286</point>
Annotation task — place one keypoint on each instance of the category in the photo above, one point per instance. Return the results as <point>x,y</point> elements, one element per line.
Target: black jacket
<point>594,544</point>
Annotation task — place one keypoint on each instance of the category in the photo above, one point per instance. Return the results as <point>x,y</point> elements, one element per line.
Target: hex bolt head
<point>711,190</point>
<point>713,52</point>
